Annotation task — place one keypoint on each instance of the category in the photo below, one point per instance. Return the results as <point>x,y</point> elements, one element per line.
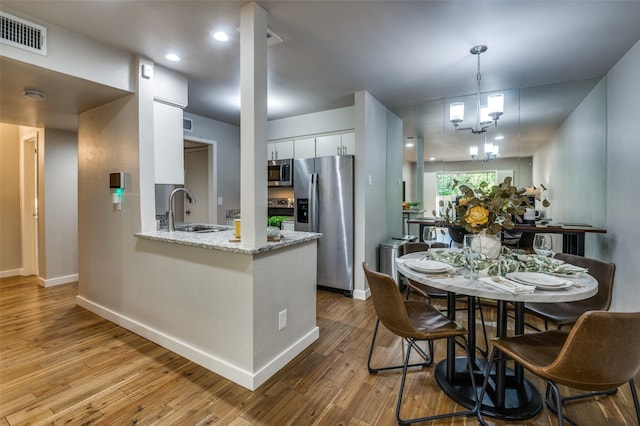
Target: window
<point>445,183</point>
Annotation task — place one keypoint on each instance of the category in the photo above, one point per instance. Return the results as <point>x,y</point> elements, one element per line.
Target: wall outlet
<point>282,320</point>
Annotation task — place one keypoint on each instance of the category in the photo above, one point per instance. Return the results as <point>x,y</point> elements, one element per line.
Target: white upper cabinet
<point>280,150</point>
<point>339,144</point>
<point>168,146</point>
<point>348,143</point>
<point>305,148</point>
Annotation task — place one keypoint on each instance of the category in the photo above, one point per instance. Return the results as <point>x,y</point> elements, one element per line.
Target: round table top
<point>586,286</point>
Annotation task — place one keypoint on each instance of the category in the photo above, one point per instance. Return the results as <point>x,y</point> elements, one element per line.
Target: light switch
<point>370,180</point>
<point>219,201</point>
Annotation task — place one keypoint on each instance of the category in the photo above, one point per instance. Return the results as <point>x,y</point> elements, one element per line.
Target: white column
<point>253,125</point>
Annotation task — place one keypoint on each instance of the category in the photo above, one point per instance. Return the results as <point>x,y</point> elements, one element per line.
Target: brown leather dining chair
<point>566,313</point>
<point>413,321</point>
<point>434,293</point>
<point>599,354</point>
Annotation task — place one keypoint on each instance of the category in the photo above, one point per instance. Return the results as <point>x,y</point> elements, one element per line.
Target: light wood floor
<point>61,364</point>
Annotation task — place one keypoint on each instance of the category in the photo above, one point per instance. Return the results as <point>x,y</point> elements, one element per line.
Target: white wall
<point>622,201</point>
<point>394,175</point>
<point>309,124</point>
<point>77,56</point>
<point>371,185</point>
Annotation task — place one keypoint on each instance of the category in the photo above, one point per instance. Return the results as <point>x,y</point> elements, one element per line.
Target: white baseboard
<point>58,280</point>
<point>10,273</point>
<point>362,295</point>
<point>247,379</point>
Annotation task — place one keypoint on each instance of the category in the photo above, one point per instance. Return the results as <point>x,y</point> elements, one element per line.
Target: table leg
<point>509,396</point>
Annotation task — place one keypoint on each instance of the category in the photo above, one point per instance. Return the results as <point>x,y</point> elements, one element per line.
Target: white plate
<point>540,280</point>
<point>429,266</point>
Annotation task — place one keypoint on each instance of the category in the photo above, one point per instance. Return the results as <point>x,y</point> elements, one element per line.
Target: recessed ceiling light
<point>498,138</point>
<point>408,144</point>
<point>172,57</point>
<point>220,36</point>
<point>432,158</point>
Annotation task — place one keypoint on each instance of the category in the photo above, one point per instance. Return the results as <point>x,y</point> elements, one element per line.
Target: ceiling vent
<point>22,34</point>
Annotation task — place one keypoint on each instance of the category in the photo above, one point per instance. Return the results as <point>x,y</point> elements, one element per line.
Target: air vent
<point>22,34</point>
<point>187,125</point>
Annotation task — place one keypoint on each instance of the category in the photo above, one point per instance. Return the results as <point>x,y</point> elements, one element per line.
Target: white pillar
<point>253,125</point>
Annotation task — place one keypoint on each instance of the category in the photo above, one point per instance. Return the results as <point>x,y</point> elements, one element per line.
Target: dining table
<point>509,395</point>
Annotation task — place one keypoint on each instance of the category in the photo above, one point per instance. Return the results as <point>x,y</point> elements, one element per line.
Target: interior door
<point>29,201</point>
<point>196,179</point>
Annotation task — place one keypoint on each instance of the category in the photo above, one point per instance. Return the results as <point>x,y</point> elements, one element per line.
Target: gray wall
<point>592,163</point>
<point>622,201</point>
<point>573,168</point>
<point>60,207</point>
<point>227,158</point>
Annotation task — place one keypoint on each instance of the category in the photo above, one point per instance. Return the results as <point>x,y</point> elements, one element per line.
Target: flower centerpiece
<point>487,210</point>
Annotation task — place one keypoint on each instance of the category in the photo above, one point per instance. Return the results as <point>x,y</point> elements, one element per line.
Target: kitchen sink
<point>201,229</point>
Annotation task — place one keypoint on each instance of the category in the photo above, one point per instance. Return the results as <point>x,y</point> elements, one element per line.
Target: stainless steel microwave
<point>280,172</point>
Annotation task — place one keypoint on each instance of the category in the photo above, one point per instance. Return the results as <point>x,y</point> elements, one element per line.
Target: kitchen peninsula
<point>241,313</point>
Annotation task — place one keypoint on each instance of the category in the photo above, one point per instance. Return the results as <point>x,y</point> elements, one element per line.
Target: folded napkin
<point>568,270</point>
<point>508,285</point>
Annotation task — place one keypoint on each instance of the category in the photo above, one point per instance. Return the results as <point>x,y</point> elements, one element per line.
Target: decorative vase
<point>273,232</point>
<point>490,245</point>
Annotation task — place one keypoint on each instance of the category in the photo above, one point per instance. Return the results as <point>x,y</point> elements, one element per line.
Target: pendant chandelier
<point>487,115</point>
<point>491,151</point>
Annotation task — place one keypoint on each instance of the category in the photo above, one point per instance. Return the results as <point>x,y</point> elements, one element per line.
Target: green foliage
<point>276,220</point>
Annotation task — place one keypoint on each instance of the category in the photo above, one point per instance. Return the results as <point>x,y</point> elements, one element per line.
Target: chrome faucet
<point>171,220</point>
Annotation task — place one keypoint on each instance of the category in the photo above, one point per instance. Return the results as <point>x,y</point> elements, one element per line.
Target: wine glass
<point>429,236</point>
<point>543,245</point>
<point>472,245</point>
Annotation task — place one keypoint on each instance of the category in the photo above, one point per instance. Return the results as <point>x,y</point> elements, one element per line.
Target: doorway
<point>199,178</point>
<point>29,203</point>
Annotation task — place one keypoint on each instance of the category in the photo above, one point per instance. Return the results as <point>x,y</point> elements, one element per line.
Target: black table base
<point>521,398</point>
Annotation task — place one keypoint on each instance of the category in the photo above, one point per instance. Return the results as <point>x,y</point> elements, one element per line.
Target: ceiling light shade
<point>485,119</point>
<point>473,151</point>
<point>495,105</point>
<point>488,115</point>
<point>456,112</point>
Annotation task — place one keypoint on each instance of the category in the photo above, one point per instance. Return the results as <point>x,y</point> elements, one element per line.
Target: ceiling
<point>413,56</point>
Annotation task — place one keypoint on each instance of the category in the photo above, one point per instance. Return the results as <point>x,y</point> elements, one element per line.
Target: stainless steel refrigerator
<point>323,192</point>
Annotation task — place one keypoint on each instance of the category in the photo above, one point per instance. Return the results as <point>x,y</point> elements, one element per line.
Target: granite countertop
<point>221,240</point>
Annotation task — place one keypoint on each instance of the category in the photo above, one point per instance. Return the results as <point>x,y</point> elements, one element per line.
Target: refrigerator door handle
<point>313,202</point>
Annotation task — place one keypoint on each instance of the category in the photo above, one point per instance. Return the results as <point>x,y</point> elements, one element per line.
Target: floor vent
<point>22,34</point>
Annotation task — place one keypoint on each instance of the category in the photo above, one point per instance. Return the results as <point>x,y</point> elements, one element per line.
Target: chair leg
<point>484,352</point>
<point>473,412</point>
<point>551,387</point>
<point>634,395</point>
<point>373,370</point>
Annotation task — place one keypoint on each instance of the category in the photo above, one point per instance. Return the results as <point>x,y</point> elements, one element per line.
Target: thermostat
<point>116,180</point>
